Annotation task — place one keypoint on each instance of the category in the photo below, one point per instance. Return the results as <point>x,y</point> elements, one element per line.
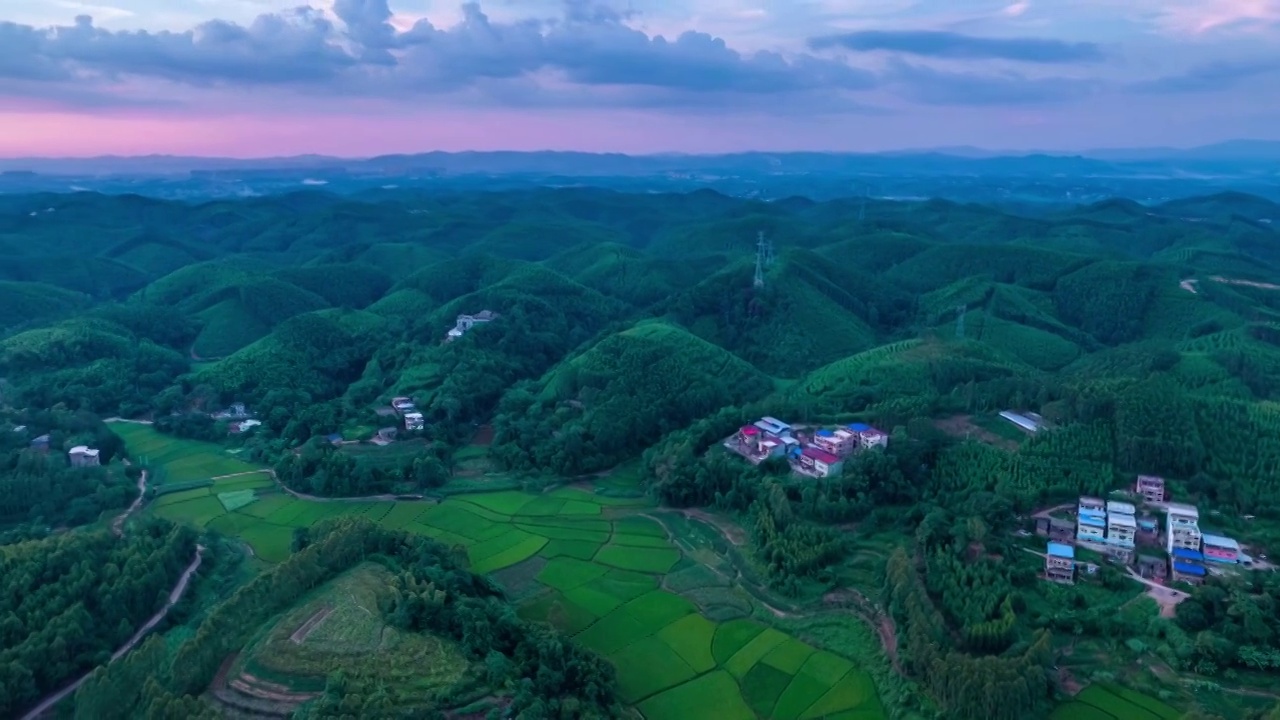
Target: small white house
<point>82,456</point>
<point>414,421</point>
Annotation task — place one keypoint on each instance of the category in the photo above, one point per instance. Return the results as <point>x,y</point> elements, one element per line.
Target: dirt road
<point>388,497</point>
<point>117,525</point>
<point>175,595</point>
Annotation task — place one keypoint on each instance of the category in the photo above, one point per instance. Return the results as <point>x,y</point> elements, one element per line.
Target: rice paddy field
<point>174,460</point>
<point>1112,702</point>
<point>593,564</point>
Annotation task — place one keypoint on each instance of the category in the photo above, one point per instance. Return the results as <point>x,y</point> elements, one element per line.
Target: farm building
<point>820,462</point>
<point>1091,520</point>
<point>1218,548</point>
<point>1021,421</point>
<point>1182,529</point>
<point>82,456</point>
<point>40,444</point>
<point>773,426</point>
<point>1150,488</point>
<point>1060,563</point>
<point>1152,568</point>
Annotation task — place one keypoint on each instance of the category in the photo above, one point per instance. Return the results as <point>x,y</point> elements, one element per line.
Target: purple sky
<point>362,77</point>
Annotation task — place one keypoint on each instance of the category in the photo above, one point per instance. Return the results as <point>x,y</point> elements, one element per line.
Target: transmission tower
<point>961,311</point>
<point>761,260</point>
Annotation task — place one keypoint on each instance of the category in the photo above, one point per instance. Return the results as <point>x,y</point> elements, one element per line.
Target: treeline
<point>547,676</point>
<point>1230,624</point>
<point>38,484</point>
<point>68,601</point>
<point>321,469</point>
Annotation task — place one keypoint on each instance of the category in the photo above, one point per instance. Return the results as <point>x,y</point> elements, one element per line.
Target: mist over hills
<point>963,173</point>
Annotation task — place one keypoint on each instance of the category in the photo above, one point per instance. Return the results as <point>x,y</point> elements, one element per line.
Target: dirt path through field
<point>299,636</point>
<point>174,595</point>
<point>117,525</point>
<point>962,426</point>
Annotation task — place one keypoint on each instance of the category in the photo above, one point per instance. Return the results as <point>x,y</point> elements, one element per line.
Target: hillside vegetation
<point>614,342</point>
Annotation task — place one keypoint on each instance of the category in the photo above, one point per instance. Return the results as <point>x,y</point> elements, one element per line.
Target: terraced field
<point>1112,702</point>
<point>598,569</point>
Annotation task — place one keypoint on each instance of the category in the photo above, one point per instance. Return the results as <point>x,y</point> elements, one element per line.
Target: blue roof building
<point>1062,550</point>
<point>334,438</point>
<point>1189,569</point>
<point>1185,554</point>
<point>859,427</point>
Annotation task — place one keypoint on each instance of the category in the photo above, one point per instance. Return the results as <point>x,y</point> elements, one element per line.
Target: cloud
<point>358,52</point>
<point>939,44</point>
<point>1209,77</point>
<point>936,87</point>
<point>1202,16</point>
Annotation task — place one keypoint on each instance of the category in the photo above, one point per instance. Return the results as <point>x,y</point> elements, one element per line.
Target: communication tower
<point>762,260</point>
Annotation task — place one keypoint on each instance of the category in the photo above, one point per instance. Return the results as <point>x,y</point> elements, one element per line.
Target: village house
<point>466,322</point>
<point>1060,563</point>
<point>1153,568</point>
<point>385,436</point>
<point>82,456</point>
<point>334,438</point>
<point>1220,549</point>
<point>1121,526</point>
<point>1091,520</point>
<point>1150,488</point>
<point>839,442</point>
<point>869,437</point>
<point>820,462</point>
<point>414,421</point>
<point>402,405</point>
<point>1182,527</point>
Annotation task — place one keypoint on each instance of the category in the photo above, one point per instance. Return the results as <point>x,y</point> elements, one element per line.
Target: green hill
<point>27,303</point>
<point>625,273</point>
<point>620,395</point>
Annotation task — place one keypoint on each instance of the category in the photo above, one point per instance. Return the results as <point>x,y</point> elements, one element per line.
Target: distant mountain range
<point>1242,155</point>
<point>962,173</point>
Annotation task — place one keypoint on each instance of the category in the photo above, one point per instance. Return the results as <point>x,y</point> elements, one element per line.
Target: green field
<point>1106,701</point>
<point>174,460</point>
<point>586,563</point>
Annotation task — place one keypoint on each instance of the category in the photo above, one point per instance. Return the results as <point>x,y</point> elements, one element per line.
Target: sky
<point>253,78</point>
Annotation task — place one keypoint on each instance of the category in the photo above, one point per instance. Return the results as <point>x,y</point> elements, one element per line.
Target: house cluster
<point>408,412</point>
<point>83,456</point>
<point>817,453</point>
<point>1114,528</point>
<point>466,322</point>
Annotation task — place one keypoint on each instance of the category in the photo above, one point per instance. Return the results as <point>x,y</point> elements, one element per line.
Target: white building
<point>82,456</point>
<point>1091,520</point>
<point>414,421</point>
<point>466,322</point>
<point>1182,527</point>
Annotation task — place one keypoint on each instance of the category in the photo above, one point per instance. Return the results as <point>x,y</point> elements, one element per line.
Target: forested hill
<point>105,301</point>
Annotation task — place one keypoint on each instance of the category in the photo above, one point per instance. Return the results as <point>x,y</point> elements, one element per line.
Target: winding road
<point>117,525</point>
<point>174,596</point>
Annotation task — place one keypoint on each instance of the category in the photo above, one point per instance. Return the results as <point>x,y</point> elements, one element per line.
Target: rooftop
<point>859,427</point>
<point>1150,480</point>
<point>1188,569</point>
<point>1221,541</point>
<point>821,455</point>
<point>825,433</point>
<point>749,430</point>
<point>1185,554</point>
<point>1122,520</point>
<point>1123,508</point>
<point>1061,550</point>
<point>1093,520</point>
<point>1181,509</point>
<point>774,421</point>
